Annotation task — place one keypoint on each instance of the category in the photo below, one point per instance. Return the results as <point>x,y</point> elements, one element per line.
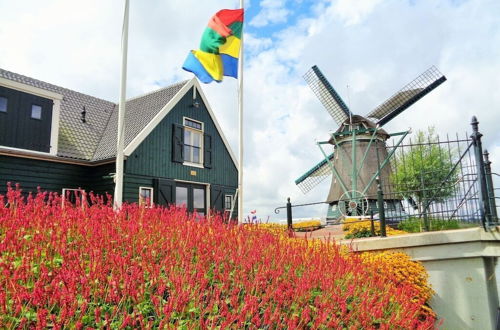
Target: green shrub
<point>416,225</point>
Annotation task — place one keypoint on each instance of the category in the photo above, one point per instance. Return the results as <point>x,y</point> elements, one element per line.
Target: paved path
<point>323,233</point>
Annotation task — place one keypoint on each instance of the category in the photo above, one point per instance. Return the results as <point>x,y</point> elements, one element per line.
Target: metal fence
<point>433,180</point>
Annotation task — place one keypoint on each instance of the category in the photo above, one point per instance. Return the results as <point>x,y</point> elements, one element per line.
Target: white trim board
<point>164,112</point>
<point>30,89</point>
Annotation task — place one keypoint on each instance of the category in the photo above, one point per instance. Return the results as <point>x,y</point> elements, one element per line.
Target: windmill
<point>360,154</point>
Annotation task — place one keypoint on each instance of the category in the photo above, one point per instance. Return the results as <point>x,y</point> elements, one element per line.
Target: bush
<point>89,266</point>
<point>415,225</point>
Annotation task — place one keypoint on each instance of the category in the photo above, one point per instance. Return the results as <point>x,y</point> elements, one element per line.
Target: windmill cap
<point>366,123</point>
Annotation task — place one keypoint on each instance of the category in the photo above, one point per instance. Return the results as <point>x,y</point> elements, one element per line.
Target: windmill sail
<point>327,95</point>
<point>407,96</point>
<point>315,175</point>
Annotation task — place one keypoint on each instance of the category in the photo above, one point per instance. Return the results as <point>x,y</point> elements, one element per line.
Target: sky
<point>368,49</point>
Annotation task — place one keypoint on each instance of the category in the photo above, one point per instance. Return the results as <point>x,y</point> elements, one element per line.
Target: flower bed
<point>307,225</point>
<point>153,267</point>
<point>298,226</point>
<point>401,269</point>
<point>359,228</point>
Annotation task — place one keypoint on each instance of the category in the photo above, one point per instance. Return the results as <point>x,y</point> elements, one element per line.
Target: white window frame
<point>202,147</point>
<point>232,202</point>
<point>82,193</point>
<point>141,201</point>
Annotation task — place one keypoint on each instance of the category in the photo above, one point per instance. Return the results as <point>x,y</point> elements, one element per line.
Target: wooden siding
<point>52,176</point>
<point>131,184</point>
<point>99,180</point>
<point>153,158</point>
<point>18,129</point>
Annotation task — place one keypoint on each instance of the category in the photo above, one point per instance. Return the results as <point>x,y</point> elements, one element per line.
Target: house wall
<point>53,176</point>
<point>151,161</point>
<point>153,158</point>
<point>31,173</point>
<point>99,179</point>
<point>18,129</point>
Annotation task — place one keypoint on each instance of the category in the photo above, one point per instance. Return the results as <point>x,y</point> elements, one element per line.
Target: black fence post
<point>289,214</point>
<point>372,224</point>
<point>424,202</point>
<point>481,178</point>
<point>380,205</point>
<point>491,189</point>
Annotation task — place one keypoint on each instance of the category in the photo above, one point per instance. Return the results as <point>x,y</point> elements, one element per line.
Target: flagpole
<point>240,108</point>
<point>118,196</point>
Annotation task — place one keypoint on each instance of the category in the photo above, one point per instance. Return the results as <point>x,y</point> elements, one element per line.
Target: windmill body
<point>360,155</point>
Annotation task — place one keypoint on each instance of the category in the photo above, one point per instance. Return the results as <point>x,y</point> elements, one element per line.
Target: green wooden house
<point>64,141</point>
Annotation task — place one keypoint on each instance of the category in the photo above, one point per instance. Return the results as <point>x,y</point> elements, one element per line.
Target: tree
<point>423,172</point>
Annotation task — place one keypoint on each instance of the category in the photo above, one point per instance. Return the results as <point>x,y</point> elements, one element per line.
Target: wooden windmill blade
<point>408,95</point>
<point>315,175</point>
<point>327,95</point>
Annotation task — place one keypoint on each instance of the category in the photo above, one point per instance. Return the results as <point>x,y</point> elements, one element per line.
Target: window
<point>3,104</point>
<point>228,202</point>
<point>36,111</point>
<point>146,196</point>
<point>181,196</point>
<point>193,124</point>
<point>193,141</point>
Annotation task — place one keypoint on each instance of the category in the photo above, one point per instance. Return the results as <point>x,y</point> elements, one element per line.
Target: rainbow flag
<point>219,48</point>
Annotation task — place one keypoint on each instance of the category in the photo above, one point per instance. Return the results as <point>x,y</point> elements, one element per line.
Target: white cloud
<point>272,11</point>
<point>375,47</point>
<point>353,12</point>
<point>255,45</point>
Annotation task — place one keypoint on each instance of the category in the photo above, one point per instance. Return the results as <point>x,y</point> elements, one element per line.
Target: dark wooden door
<point>164,192</point>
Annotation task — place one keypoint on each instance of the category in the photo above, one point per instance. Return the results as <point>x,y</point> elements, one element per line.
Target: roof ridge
<point>80,93</point>
<point>53,85</point>
<point>157,90</point>
<point>133,103</point>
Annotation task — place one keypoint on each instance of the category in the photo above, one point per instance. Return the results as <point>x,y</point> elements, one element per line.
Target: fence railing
<point>432,180</point>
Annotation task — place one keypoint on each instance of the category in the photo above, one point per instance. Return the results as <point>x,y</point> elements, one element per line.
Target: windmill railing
<point>433,181</point>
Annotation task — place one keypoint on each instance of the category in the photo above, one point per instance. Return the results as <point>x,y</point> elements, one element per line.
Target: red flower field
<point>87,266</point>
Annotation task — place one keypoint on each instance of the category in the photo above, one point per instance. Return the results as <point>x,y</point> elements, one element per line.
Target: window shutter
<point>164,191</point>
<point>217,197</point>
<point>177,143</point>
<point>207,152</point>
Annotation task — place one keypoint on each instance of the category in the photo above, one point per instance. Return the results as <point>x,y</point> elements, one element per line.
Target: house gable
<point>152,157</point>
<point>195,90</point>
